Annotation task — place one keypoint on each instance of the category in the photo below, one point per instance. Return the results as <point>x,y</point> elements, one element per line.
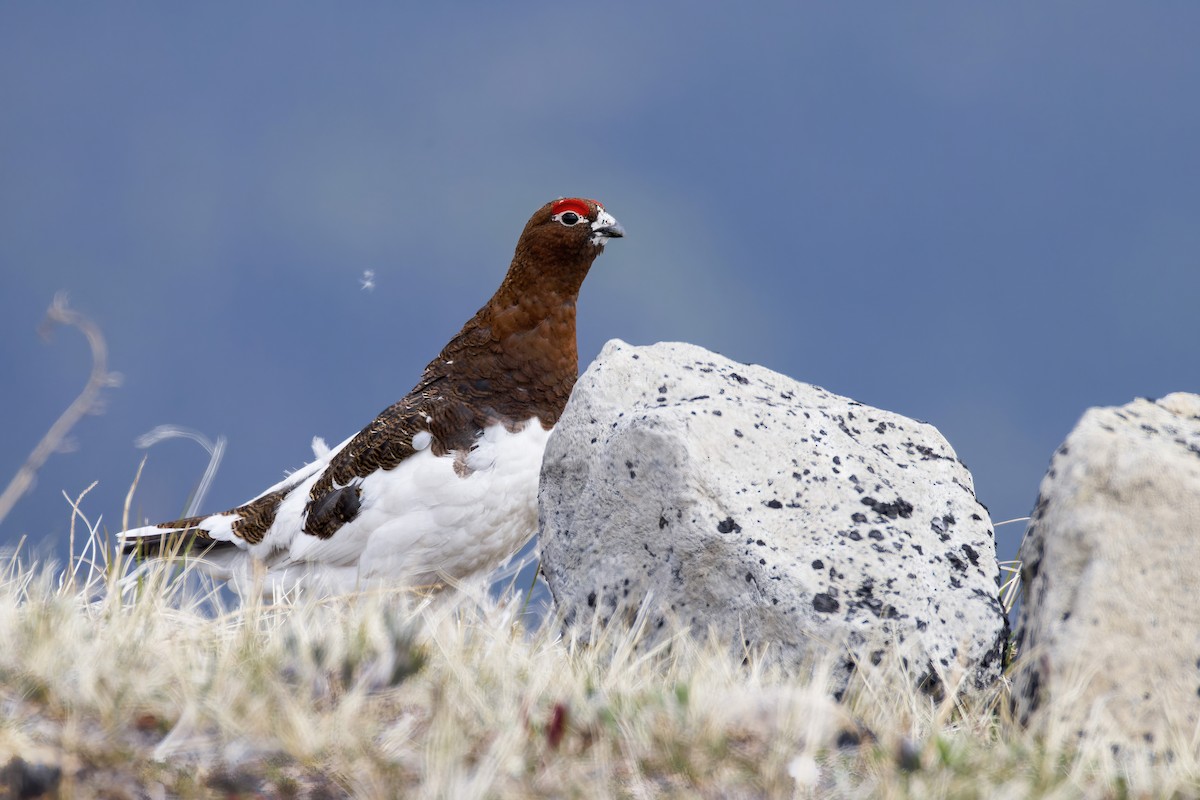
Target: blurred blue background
<point>986,216</point>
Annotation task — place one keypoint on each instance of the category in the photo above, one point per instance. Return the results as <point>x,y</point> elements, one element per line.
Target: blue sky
<point>985,216</point>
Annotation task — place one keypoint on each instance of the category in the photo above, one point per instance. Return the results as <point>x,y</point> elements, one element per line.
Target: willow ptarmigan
<point>443,484</point>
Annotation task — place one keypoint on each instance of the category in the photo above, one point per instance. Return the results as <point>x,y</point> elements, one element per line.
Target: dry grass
<point>152,688</point>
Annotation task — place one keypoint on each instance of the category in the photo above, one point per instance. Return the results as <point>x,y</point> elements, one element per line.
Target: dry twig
<point>87,401</point>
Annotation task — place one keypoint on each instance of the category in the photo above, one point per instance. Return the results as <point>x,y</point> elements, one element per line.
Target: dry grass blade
<point>1010,589</point>
<point>215,450</point>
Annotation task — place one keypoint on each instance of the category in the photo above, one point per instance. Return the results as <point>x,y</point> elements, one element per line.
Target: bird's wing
<point>424,419</point>
<point>439,411</point>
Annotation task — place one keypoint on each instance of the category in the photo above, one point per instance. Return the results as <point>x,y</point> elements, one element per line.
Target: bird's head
<point>584,219</point>
<point>558,246</point>
<point>570,227</point>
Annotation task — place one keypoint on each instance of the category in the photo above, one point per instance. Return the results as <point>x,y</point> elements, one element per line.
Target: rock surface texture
<point>1108,634</point>
<point>778,515</point>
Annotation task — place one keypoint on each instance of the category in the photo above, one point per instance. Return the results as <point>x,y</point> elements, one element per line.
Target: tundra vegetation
<point>120,679</point>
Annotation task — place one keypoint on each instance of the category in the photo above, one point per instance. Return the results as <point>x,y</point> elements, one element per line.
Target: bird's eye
<point>569,218</point>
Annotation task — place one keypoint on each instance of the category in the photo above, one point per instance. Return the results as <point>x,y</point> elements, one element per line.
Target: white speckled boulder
<point>1109,627</point>
<point>771,511</point>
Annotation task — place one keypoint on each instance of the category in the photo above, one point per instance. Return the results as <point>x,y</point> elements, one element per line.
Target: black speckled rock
<point>771,511</point>
<point>1109,627</point>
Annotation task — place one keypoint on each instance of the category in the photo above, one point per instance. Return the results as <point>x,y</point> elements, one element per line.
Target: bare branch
<point>60,314</point>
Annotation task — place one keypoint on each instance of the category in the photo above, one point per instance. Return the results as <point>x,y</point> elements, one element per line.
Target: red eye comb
<point>575,204</point>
